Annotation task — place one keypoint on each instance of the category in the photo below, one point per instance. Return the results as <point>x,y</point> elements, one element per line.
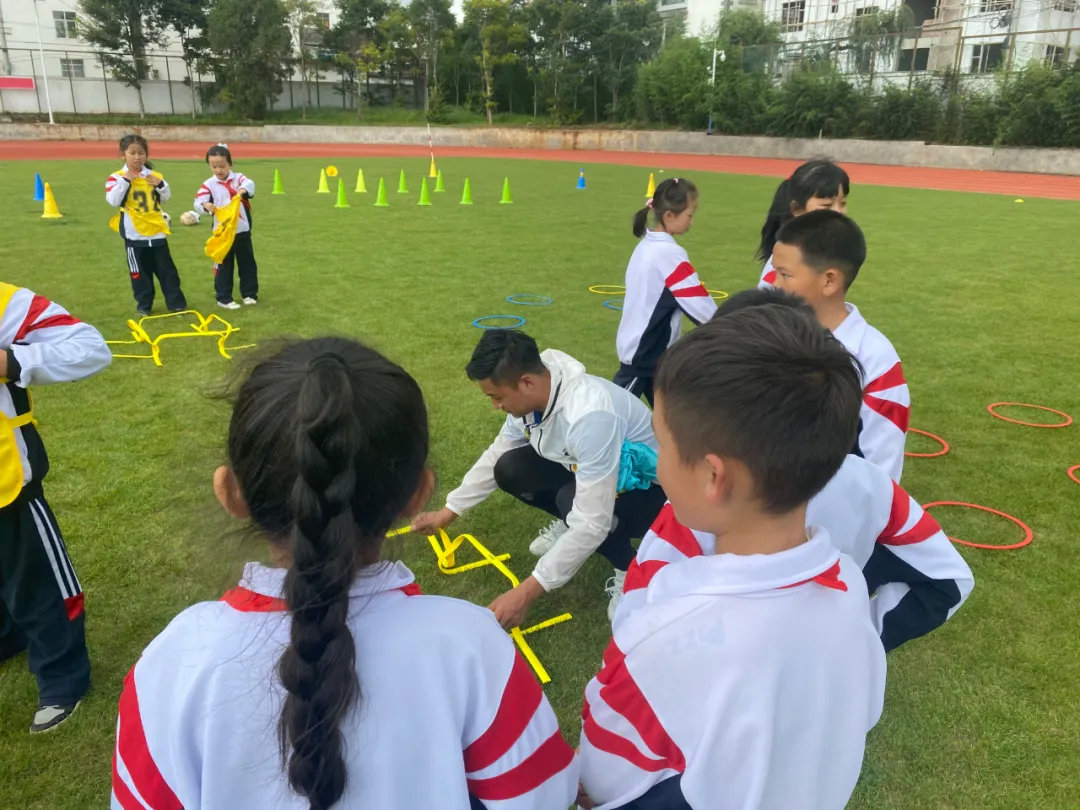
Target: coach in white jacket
<point>560,450</point>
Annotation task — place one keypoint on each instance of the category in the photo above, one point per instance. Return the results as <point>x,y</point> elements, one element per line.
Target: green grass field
<point>981,714</point>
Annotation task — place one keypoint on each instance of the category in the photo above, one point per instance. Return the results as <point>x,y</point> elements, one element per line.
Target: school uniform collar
<point>813,563</point>
<point>660,236</point>
<point>263,584</point>
<point>144,173</point>
<point>851,325</point>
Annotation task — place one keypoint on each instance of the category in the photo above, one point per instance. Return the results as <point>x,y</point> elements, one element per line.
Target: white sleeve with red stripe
<point>137,781</point>
<point>203,196</point>
<point>245,183</point>
<point>768,276</point>
<point>115,188</point>
<point>49,344</point>
<point>690,294</point>
<point>932,579</point>
<point>667,541</point>
<point>479,482</point>
<point>886,408</point>
<point>515,755</point>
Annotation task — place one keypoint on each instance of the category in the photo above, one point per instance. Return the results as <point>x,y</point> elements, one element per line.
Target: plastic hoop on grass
<point>1071,472</point>
<point>517,319</point>
<point>1028,534</point>
<point>944,445</point>
<point>608,289</point>
<point>611,303</point>
<point>537,300</point>
<point>1066,423</point>
<point>717,295</point>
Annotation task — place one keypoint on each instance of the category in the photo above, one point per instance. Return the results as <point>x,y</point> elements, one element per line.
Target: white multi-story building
<point>699,16</point>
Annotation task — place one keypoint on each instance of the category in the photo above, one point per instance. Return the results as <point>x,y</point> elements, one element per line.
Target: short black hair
<point>757,297</point>
<point>827,239</point>
<point>219,150</point>
<point>503,356</point>
<point>769,387</point>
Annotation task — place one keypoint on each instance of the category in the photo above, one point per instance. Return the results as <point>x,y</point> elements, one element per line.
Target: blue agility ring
<point>518,318</point>
<point>611,304</point>
<point>537,300</point>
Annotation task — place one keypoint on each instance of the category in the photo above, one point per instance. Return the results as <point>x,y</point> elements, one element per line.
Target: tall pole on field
<point>41,53</point>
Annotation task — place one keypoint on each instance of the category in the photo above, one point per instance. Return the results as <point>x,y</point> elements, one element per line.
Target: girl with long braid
<point>380,697</point>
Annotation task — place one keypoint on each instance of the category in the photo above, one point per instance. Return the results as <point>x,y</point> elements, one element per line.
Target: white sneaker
<point>228,305</point>
<point>613,589</point>
<point>250,302</point>
<point>547,537</point>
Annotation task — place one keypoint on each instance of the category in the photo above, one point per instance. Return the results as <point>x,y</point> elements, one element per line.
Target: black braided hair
<point>673,195</point>
<point>815,178</point>
<point>328,442</point>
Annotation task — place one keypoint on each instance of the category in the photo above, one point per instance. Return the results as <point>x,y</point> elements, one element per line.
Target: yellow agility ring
<point>608,289</point>
<point>717,295</point>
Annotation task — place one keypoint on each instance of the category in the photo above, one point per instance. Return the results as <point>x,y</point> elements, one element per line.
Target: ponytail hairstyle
<point>328,442</point>
<point>673,195</point>
<point>815,178</point>
<point>219,150</point>
<point>128,140</point>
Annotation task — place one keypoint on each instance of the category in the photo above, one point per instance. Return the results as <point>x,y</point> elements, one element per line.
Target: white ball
<point>189,218</point>
<point>168,219</point>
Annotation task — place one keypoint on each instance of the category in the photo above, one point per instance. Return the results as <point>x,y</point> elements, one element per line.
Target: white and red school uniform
<point>743,681</point>
<point>221,192</point>
<point>661,285</point>
<point>918,577</point>
<point>768,276</point>
<point>886,406</point>
<point>448,713</point>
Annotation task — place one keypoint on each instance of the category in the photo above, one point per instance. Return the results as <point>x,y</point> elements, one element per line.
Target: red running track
<point>1015,184</point>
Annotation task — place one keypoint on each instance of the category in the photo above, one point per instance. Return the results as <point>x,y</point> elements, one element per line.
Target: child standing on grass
<point>216,192</point>
<point>749,678</point>
<point>138,191</point>
<point>41,601</point>
<point>661,285</point>
<point>814,185</point>
<point>381,697</point>
<point>817,257</point>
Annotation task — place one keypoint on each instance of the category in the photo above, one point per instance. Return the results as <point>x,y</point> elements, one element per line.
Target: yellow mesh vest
<point>11,469</point>
<point>144,209</point>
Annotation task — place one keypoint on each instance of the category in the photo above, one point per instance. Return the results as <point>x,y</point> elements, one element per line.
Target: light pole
<point>712,83</point>
<point>41,53</point>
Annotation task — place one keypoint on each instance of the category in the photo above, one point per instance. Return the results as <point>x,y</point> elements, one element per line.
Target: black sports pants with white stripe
<point>41,601</point>
<point>147,258</point>
<point>635,383</point>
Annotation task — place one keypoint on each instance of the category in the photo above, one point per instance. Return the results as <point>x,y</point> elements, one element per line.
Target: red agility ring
<point>1027,529</point>
<point>1066,423</point>
<point>944,445</point>
<point>1071,472</point>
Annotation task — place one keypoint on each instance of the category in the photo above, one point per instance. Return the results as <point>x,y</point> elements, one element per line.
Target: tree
<point>302,19</point>
<point>252,44</point>
<point>674,87</point>
<point>494,41</point>
<point>399,44</point>
<point>432,24</point>
<point>631,37</point>
<point>747,39</point>
<point>873,37</point>
<point>125,28</point>
<point>188,19</point>
<point>357,41</point>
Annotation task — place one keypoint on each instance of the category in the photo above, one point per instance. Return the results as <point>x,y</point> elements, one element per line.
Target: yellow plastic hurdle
<point>202,328</point>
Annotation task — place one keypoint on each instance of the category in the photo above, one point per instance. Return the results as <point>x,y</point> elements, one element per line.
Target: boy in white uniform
<point>749,678</point>
<point>817,257</point>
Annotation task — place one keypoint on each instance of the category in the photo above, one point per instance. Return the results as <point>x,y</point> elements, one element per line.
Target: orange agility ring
<point>1065,416</point>
<point>1071,472</point>
<point>1027,529</point>
<point>944,445</point>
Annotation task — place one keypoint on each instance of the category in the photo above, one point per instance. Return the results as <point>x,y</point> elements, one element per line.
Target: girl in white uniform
<point>326,679</point>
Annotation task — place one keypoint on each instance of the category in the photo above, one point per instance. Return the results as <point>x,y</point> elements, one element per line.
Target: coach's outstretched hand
<point>431,521</point>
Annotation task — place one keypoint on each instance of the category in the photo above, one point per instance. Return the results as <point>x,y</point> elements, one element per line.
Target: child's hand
<point>209,208</point>
<point>583,800</point>
<point>129,175</point>
<point>154,181</point>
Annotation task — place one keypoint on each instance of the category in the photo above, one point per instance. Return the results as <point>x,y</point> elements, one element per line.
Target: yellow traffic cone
<point>51,211</point>
<point>323,187</point>
<point>361,187</point>
<point>652,186</point>
<point>432,171</point>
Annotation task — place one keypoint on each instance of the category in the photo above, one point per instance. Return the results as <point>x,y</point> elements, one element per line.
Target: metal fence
<point>77,80</point>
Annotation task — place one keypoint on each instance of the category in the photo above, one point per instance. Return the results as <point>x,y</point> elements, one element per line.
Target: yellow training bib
<point>143,207</point>
<point>11,468</point>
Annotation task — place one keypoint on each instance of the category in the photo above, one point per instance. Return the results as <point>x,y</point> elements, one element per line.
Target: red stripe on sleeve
<point>250,602</point>
<point>132,747</point>
<point>890,379</point>
<point>691,292</point>
<point>639,576</point>
<point>37,305</point>
<point>624,696</point>
<point>520,699</point>
<point>121,791</point>
<point>50,322</point>
<point>618,746</point>
<point>925,528</point>
<point>667,528</point>
<point>899,415</point>
<point>546,761</point>
<point>769,277</point>
<point>898,513</point>
<point>681,272</point>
